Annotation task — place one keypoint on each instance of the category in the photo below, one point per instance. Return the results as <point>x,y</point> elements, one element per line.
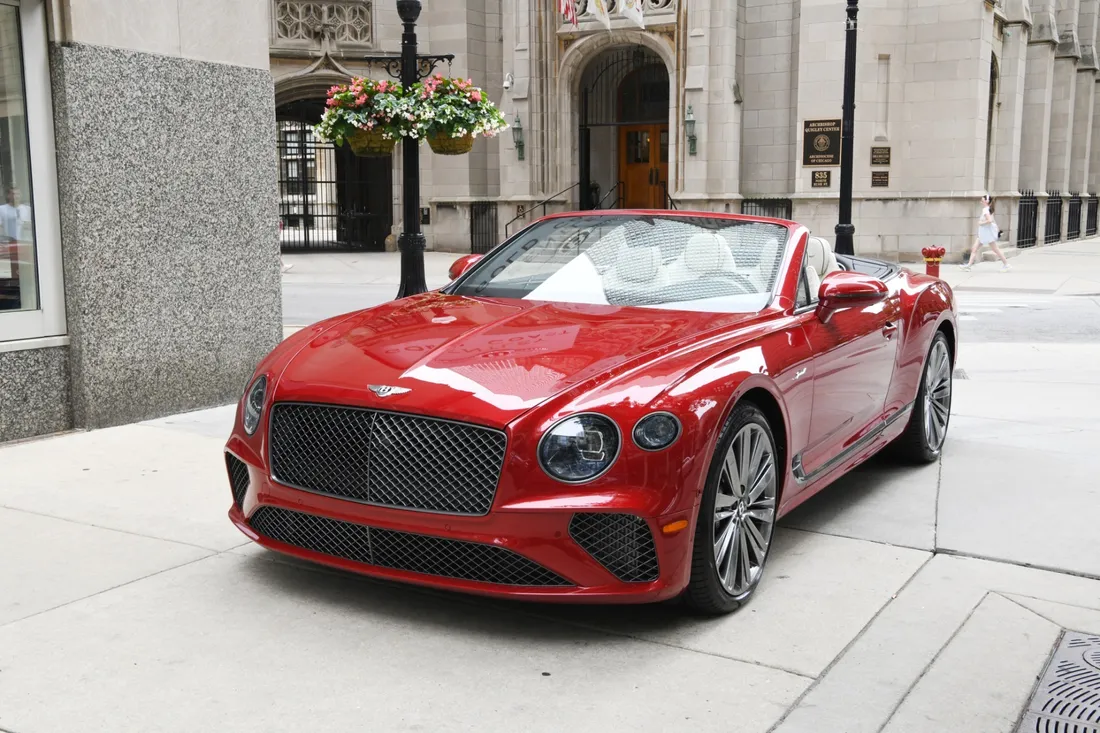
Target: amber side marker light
<point>674,527</point>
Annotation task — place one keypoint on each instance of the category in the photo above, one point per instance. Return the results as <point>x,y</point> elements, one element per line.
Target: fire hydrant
<point>933,256</point>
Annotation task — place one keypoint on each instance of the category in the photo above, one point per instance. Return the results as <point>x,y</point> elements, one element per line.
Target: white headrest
<point>707,254</point>
<point>639,264</point>
<point>819,255</point>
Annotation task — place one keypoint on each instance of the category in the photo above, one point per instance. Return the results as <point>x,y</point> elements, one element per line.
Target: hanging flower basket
<point>443,144</point>
<point>370,116</point>
<point>371,143</point>
<point>454,112</point>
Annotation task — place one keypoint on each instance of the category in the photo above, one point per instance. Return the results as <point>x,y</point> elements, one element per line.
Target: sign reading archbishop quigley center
<point>821,143</point>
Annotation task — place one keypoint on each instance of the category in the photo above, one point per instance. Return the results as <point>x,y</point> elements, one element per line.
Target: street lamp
<point>845,230</point>
<point>410,68</point>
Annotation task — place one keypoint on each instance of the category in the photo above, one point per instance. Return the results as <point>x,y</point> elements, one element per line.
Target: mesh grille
<point>238,478</point>
<point>386,458</point>
<point>622,543</point>
<point>402,550</point>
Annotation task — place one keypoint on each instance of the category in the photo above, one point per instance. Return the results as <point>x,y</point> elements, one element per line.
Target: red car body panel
<point>841,387</point>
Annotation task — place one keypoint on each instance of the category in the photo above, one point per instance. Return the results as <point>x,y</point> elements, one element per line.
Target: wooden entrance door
<point>643,165</point>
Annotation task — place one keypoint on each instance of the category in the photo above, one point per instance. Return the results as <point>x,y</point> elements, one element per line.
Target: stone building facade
<point>954,98</point>
<point>139,260</point>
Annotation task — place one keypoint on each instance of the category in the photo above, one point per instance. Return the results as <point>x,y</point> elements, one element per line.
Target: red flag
<point>568,8</point>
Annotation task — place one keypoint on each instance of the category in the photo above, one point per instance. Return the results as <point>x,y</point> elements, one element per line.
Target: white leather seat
<point>637,268</point>
<point>820,256</point>
<point>706,254</point>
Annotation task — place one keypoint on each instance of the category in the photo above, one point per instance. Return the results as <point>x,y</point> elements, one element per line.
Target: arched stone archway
<point>571,72</point>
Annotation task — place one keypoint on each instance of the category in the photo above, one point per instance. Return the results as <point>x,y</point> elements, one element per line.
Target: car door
<point>855,350</point>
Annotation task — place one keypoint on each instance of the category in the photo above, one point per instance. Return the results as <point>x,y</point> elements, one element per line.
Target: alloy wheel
<point>937,396</point>
<point>744,510</point>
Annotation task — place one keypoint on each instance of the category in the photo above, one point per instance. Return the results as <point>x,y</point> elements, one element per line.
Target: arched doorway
<point>329,199</point>
<point>624,133</point>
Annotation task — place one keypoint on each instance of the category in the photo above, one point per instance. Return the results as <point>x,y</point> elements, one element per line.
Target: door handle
<point>889,330</point>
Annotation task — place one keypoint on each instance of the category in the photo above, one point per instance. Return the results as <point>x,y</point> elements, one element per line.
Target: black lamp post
<point>845,230</point>
<point>410,68</point>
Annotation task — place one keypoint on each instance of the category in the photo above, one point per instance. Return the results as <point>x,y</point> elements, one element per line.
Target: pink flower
<point>361,99</point>
<point>383,86</point>
<point>476,95</point>
<point>332,102</point>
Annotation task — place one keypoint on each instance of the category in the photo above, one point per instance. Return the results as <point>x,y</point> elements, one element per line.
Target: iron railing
<point>524,213</point>
<point>1027,219</point>
<point>770,208</point>
<point>613,199</point>
<point>483,226</point>
<point>1054,218</point>
<point>1073,228</point>
<point>1091,221</point>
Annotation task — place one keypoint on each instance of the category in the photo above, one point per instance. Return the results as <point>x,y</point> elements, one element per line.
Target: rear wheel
<point>926,432</point>
<point>737,515</point>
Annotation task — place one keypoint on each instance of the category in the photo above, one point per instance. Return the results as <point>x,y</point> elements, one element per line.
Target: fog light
<point>656,431</point>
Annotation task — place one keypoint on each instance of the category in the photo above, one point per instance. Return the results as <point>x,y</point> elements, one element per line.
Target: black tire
<point>916,445</point>
<point>705,592</point>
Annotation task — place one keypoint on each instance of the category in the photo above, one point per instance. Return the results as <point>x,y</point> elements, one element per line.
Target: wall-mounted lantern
<point>689,128</point>
<point>517,137</point>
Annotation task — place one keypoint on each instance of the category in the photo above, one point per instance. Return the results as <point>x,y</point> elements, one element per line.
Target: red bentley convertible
<point>610,406</point>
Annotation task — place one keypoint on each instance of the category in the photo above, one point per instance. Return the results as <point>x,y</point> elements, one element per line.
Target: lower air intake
<point>238,478</point>
<point>415,553</point>
<point>622,543</point>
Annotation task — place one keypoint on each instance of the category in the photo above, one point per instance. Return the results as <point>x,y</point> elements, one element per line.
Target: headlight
<point>254,405</point>
<point>579,448</point>
<point>656,431</point>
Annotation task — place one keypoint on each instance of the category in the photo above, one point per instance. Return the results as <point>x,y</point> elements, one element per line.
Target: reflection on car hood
<point>477,359</point>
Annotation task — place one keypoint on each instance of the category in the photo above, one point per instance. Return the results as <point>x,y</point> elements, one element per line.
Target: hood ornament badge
<point>385,390</point>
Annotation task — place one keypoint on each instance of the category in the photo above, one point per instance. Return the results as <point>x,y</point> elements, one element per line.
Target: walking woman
<point>988,233</point>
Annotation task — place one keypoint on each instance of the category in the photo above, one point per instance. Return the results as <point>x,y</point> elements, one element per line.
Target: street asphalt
<point>899,600</point>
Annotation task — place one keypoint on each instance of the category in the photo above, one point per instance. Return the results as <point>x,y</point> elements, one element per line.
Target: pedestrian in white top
<point>988,234</point>
<point>15,218</point>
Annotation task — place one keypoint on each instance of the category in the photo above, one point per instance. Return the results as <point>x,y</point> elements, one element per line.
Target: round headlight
<point>656,431</point>
<point>254,405</point>
<point>579,448</point>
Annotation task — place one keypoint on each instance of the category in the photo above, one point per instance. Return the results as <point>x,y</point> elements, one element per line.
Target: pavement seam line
<point>884,543</point>
<point>475,602</point>
<point>1032,611</point>
<point>936,510</point>
<point>108,590</point>
<point>848,647</point>
<point>1047,600</point>
<point>1050,653</point>
<point>932,661</point>
<point>1045,568</point>
<point>109,529</point>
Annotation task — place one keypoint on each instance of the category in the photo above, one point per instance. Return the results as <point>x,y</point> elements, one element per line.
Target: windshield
<point>669,262</point>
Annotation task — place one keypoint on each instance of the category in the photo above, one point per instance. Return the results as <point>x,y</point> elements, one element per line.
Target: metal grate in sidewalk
<point>1067,699</point>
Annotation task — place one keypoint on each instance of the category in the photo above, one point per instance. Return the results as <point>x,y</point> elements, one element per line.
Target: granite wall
<point>34,392</point>
<point>167,180</point>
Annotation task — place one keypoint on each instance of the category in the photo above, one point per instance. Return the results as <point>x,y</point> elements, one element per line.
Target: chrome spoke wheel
<point>937,396</point>
<point>744,510</point>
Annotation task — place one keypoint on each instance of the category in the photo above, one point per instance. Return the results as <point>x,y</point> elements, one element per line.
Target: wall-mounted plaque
<point>823,179</point>
<point>880,179</point>
<point>880,156</point>
<point>821,143</point>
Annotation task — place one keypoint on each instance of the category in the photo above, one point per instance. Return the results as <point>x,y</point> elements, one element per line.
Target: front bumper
<point>529,554</point>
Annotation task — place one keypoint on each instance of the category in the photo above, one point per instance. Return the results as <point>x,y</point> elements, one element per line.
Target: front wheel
<point>737,515</point>
<point>926,432</point>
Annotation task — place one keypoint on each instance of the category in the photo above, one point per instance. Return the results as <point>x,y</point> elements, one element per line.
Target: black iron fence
<point>771,208</point>
<point>1091,220</point>
<point>483,226</point>
<point>1054,218</point>
<point>1027,219</point>
<point>1073,228</point>
<point>330,199</point>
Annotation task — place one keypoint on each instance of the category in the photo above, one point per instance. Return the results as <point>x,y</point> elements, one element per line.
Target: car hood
<point>477,359</point>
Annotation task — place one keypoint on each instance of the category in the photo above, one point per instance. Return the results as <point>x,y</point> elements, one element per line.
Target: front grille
<point>415,553</point>
<point>238,478</point>
<point>622,543</point>
<point>386,458</point>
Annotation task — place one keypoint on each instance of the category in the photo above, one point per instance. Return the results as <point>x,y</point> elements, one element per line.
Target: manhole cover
<point>1068,697</point>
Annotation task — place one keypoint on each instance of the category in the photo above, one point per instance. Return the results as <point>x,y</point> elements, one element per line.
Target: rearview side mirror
<point>840,290</point>
<point>462,264</point>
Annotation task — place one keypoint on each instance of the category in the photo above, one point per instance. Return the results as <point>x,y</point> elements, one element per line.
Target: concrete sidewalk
<point>899,600</point>
<point>1072,268</point>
